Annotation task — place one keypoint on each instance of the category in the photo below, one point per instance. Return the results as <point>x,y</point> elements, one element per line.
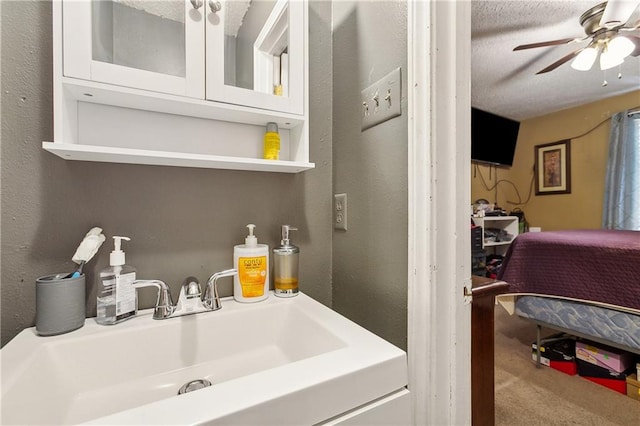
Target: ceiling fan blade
<point>636,41</point>
<point>633,27</point>
<point>617,12</point>
<point>545,43</point>
<point>560,61</point>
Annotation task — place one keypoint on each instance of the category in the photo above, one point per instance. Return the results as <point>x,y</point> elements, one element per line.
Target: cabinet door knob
<point>215,6</point>
<point>197,4</point>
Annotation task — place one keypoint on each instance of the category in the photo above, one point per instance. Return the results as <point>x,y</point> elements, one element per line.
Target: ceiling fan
<point>602,24</point>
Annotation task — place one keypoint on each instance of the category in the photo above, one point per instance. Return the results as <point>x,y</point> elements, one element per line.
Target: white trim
<point>137,78</point>
<point>76,34</point>
<point>56,37</point>
<point>107,94</point>
<point>419,107</point>
<point>439,337</point>
<point>194,52</point>
<point>270,43</point>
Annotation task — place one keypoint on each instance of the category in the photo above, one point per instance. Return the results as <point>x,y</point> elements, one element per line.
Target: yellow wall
<point>582,208</point>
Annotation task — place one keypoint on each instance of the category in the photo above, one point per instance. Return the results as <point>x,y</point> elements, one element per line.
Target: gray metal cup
<point>60,304</point>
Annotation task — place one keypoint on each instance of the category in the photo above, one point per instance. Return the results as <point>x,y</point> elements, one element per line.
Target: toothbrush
<point>78,271</point>
<point>86,250</point>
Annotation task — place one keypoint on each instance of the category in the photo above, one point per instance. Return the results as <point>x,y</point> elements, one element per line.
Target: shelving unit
<point>108,112</point>
<point>125,125</point>
<point>506,223</point>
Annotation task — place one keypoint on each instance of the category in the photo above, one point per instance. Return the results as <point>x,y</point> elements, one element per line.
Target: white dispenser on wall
<point>117,298</point>
<point>251,284</point>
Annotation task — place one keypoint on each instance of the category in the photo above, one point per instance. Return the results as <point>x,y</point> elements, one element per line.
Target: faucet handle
<point>164,303</point>
<point>191,287</point>
<point>211,299</point>
<point>164,306</point>
<point>189,299</point>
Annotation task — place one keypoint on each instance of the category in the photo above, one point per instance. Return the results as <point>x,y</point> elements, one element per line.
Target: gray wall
<point>186,221</point>
<point>182,221</point>
<point>370,258</point>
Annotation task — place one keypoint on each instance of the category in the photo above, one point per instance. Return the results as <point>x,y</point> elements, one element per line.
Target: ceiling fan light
<point>621,46</point>
<point>609,60</point>
<point>585,59</point>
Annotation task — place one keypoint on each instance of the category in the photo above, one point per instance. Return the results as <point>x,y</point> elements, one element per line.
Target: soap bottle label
<point>252,272</point>
<point>125,295</point>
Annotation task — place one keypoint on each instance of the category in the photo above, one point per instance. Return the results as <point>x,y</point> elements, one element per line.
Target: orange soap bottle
<point>251,283</point>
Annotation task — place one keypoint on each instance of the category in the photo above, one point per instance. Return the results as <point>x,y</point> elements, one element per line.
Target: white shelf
<point>496,218</point>
<point>506,223</point>
<point>166,158</point>
<point>125,106</point>
<point>500,243</point>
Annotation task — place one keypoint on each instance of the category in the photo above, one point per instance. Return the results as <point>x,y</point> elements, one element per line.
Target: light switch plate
<point>381,100</point>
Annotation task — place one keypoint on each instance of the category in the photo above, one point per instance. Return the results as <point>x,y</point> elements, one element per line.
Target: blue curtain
<point>622,184</point>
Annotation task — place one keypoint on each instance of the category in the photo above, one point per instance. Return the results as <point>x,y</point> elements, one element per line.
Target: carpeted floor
<point>526,395</point>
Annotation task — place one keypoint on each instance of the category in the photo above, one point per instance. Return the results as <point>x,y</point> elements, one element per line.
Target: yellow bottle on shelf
<point>272,142</point>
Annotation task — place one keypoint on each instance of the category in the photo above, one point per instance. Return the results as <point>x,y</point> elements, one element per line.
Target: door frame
<point>439,193</point>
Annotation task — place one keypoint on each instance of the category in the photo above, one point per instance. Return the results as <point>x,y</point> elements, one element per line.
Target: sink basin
<point>281,361</point>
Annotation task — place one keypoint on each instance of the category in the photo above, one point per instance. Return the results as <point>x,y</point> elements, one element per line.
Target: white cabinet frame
<point>269,45</point>
<point>295,102</point>
<point>78,61</point>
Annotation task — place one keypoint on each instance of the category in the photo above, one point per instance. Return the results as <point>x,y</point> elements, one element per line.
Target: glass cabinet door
<point>154,45</point>
<point>255,53</point>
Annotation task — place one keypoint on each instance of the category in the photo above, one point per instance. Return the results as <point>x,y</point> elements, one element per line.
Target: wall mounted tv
<point>493,138</point>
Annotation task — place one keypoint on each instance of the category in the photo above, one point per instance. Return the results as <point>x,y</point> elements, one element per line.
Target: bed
<point>581,282</point>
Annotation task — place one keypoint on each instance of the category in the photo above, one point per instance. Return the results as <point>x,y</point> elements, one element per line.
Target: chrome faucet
<point>191,299</point>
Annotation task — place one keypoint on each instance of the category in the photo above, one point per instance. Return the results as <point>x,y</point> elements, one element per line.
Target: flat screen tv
<point>493,138</point>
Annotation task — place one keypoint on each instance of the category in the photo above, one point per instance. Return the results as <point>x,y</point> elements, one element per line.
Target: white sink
<point>281,361</point>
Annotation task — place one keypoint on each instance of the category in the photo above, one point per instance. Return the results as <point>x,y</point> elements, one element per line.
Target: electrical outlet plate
<point>340,211</point>
<point>381,101</point>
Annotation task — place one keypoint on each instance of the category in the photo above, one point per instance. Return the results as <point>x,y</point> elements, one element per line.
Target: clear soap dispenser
<point>117,298</point>
<point>285,265</point>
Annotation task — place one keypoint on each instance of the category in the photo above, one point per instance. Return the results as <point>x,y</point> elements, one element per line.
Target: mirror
<point>140,34</point>
<point>256,45</point>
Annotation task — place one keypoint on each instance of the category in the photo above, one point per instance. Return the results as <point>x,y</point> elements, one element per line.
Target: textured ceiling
<point>505,83</point>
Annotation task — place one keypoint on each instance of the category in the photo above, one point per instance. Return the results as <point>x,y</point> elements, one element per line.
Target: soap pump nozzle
<point>251,240</point>
<point>285,234</point>
<point>117,255</point>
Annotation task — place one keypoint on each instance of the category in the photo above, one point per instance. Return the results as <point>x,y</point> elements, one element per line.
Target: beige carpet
<point>526,395</point>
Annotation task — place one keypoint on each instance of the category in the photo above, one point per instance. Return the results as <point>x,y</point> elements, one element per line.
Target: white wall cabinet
<point>182,83</point>
<point>506,223</point>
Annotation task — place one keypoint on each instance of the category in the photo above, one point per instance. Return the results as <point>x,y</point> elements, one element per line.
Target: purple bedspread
<point>596,265</point>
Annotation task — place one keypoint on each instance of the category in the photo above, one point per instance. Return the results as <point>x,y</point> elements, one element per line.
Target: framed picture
<point>553,168</point>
